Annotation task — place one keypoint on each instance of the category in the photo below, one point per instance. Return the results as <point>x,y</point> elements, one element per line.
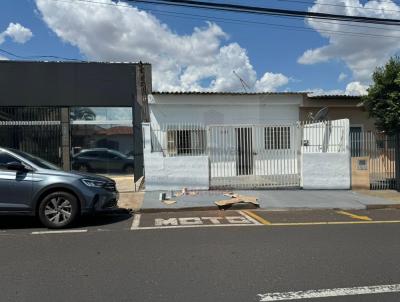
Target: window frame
<point>277,138</point>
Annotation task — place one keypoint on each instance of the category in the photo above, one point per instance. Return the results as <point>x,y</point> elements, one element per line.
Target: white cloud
<point>342,76</point>
<point>352,88</point>
<point>271,81</point>
<point>3,58</point>
<point>17,33</point>
<point>361,54</point>
<point>356,88</point>
<point>196,61</point>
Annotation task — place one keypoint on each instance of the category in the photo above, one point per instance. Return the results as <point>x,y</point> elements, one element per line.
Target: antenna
<point>244,84</point>
<point>321,114</point>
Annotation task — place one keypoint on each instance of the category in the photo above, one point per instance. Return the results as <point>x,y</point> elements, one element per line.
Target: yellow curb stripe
<point>256,217</point>
<point>365,218</point>
<point>335,223</point>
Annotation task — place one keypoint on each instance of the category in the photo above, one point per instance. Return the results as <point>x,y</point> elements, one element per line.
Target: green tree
<point>383,99</point>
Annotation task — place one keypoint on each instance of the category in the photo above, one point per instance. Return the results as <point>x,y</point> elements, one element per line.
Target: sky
<point>202,50</point>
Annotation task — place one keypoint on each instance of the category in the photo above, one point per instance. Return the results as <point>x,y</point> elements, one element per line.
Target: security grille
<point>33,130</point>
<point>254,156</point>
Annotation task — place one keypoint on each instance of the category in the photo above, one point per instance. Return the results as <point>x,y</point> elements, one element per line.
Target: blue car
<point>32,186</point>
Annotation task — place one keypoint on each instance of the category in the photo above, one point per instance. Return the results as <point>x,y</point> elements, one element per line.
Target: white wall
<point>173,173</point>
<point>326,171</point>
<point>223,109</point>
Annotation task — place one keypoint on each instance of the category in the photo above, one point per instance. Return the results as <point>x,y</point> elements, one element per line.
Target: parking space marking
<point>59,232</point>
<point>179,220</point>
<point>194,226</point>
<point>136,221</point>
<point>354,216</point>
<point>257,219</point>
<point>335,292</point>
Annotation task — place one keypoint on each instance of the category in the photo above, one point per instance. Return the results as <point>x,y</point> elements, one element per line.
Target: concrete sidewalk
<point>271,199</point>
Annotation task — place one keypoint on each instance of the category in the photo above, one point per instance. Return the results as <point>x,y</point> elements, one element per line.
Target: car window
<point>114,155</point>
<point>89,154</point>
<point>6,158</point>
<point>107,155</point>
<point>41,163</point>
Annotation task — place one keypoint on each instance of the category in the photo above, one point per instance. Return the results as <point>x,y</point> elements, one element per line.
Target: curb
<point>205,208</point>
<point>382,206</point>
<point>248,207</point>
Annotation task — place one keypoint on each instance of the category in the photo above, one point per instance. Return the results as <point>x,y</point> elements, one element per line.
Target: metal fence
<point>380,151</point>
<point>33,130</point>
<point>251,156</point>
<point>254,156</point>
<point>179,139</point>
<point>324,136</point>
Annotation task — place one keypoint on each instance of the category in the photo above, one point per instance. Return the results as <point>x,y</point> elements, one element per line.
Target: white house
<point>203,140</point>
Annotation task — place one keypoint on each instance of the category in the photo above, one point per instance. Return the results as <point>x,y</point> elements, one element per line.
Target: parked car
<point>102,160</point>
<point>32,186</point>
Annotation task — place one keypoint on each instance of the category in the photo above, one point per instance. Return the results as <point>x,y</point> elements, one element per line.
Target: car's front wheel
<point>58,210</point>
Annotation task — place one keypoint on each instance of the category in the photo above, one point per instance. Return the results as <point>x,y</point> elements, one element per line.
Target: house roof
<point>224,93</point>
<point>334,96</point>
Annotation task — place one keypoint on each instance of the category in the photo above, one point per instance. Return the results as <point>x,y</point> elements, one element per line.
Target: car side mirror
<point>16,166</point>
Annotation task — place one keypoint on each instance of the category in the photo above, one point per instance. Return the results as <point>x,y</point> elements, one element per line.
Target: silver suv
<point>32,186</point>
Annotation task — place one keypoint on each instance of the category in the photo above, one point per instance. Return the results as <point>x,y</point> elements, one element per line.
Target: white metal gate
<point>254,156</point>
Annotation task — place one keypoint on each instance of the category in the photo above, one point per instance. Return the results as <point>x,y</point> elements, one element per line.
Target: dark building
<point>55,110</point>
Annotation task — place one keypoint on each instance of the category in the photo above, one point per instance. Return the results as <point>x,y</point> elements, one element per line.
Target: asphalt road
<point>111,262</point>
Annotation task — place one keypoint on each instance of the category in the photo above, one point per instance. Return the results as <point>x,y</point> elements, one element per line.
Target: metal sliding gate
<point>36,130</point>
<point>254,156</point>
<point>379,151</point>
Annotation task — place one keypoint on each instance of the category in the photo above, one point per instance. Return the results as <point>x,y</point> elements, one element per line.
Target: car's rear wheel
<point>58,210</point>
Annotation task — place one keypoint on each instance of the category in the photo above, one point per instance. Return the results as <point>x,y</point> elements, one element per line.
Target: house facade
<point>237,140</point>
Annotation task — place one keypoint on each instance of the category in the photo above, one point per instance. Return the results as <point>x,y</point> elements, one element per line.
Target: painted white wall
<point>223,109</point>
<point>173,173</point>
<point>326,171</point>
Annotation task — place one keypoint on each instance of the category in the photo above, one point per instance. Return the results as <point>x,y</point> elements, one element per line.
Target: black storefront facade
<point>60,110</point>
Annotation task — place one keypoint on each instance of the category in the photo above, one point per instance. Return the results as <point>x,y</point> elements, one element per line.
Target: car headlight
<point>93,183</point>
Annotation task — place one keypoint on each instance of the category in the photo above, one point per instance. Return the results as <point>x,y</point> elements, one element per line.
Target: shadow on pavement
<point>8,222</point>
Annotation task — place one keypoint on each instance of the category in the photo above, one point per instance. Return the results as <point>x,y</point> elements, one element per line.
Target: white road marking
<point>249,218</point>
<point>136,221</point>
<point>194,226</point>
<point>335,292</point>
<point>58,232</point>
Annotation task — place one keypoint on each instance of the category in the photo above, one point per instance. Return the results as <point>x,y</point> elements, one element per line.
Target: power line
<point>344,6</point>
<point>240,21</point>
<point>220,18</point>
<point>268,11</point>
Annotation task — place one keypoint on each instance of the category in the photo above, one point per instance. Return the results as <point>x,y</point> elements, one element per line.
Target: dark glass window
<point>5,158</point>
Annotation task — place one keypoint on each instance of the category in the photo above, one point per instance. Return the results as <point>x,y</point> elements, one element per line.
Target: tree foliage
<point>383,99</point>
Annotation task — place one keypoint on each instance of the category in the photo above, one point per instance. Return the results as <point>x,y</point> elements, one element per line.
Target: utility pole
<point>140,114</point>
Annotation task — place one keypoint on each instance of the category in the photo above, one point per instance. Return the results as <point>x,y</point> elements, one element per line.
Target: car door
<point>115,162</point>
<point>15,186</point>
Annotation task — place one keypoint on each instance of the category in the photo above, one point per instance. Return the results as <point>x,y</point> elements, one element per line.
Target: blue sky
<point>270,50</point>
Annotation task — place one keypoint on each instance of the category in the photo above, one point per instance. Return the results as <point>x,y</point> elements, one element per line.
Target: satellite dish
<point>321,114</point>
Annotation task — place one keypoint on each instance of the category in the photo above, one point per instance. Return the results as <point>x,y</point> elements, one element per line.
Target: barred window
<point>186,142</point>
<point>277,138</point>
